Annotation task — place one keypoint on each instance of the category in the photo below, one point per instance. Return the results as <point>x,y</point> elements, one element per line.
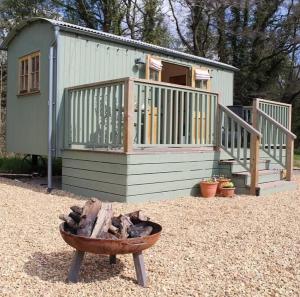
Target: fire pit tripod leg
<point>112,259</point>
<point>75,266</point>
<point>140,271</point>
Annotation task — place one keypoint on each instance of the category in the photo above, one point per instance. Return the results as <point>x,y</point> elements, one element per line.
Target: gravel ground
<point>246,246</point>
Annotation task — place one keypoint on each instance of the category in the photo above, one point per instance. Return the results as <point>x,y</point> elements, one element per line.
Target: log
<point>77,209</point>
<point>69,221</point>
<point>103,220</point>
<point>125,224</point>
<point>114,230</point>
<point>88,217</point>
<point>139,230</point>
<point>137,217</point>
<point>75,216</point>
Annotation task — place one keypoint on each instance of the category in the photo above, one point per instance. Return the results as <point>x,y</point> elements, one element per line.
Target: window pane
<point>37,85</point>
<point>154,74</point>
<point>26,82</point>
<point>37,60</point>
<point>26,67</point>
<point>33,64</point>
<point>22,67</point>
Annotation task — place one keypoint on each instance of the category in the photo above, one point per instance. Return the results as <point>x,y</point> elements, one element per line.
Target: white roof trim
<point>103,35</point>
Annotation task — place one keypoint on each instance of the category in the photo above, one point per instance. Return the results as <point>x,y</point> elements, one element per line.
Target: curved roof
<point>115,38</point>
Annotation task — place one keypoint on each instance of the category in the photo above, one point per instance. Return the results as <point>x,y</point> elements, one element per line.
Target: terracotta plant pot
<point>221,182</point>
<point>227,192</point>
<point>208,189</point>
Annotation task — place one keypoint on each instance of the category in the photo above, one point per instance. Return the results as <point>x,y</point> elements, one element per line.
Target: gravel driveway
<point>246,246</point>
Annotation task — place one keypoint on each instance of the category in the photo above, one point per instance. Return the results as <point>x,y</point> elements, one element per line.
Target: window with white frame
<point>202,79</point>
<point>29,73</point>
<point>154,68</point>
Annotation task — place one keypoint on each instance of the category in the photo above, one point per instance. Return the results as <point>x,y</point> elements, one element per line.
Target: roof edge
<point>110,37</point>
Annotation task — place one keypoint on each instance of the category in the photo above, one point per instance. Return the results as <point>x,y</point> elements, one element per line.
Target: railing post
<point>254,150</point>
<point>289,158</point>
<point>218,124</point>
<point>289,149</point>
<point>128,115</point>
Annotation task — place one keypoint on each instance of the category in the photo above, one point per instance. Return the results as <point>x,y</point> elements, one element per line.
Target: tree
<point>14,11</point>
<point>104,15</point>
<point>258,37</point>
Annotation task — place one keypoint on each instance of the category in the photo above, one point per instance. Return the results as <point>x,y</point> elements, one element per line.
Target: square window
<point>29,73</point>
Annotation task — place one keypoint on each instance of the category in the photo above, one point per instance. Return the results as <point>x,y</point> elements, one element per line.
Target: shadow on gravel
<point>54,267</point>
<point>35,186</point>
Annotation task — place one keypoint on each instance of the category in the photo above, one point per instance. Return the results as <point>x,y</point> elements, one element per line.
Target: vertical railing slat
<point>175,132</point>
<point>195,118</point>
<point>165,115</point>
<point>152,135</point>
<point>146,115</point>
<point>191,116</point>
<point>158,132</point>
<point>170,130</point>
<point>181,117</point>
<point>239,143</point>
<point>139,114</point>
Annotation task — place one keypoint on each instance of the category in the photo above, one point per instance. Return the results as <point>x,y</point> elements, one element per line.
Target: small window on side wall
<point>29,74</point>
<point>153,68</point>
<point>202,79</point>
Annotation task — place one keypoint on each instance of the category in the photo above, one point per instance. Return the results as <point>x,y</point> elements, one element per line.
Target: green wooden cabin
<point>134,121</point>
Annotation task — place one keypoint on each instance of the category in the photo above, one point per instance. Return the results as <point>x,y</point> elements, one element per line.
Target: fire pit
<point>144,235</point>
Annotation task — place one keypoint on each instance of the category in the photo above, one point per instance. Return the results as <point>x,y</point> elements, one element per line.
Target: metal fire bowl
<point>110,246</point>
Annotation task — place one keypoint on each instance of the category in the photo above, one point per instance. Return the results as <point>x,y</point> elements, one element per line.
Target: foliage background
<point>261,38</point>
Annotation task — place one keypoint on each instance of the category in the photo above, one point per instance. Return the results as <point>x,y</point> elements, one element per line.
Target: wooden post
<point>218,124</point>
<point>289,158</point>
<point>139,265</point>
<point>128,116</point>
<point>289,149</point>
<point>112,259</point>
<point>254,151</point>
<point>75,266</point>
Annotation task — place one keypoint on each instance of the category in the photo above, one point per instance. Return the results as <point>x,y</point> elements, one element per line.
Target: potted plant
<point>227,189</point>
<point>208,187</point>
<point>222,180</point>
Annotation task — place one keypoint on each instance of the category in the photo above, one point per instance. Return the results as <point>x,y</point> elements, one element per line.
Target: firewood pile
<point>96,220</point>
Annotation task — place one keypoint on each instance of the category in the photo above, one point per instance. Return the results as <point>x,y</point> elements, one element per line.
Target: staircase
<point>271,178</point>
<point>258,149</point>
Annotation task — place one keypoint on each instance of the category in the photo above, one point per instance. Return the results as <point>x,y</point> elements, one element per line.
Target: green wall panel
<point>27,115</point>
<point>137,177</point>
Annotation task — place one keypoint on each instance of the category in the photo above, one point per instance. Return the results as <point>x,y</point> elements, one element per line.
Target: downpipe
<point>50,107</point>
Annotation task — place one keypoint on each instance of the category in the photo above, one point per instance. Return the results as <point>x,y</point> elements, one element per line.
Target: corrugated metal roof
<point>119,39</point>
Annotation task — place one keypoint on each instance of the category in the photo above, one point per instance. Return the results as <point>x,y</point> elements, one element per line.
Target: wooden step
<point>228,167</point>
<point>242,179</point>
<point>269,188</point>
<point>277,187</point>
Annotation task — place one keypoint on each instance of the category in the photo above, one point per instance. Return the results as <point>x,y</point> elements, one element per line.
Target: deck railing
<point>274,122</point>
<point>237,138</point>
<point>129,112</point>
<point>278,111</point>
<point>94,115</point>
<point>173,115</point>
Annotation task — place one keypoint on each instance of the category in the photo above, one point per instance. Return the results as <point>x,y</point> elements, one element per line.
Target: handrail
<point>151,82</point>
<point>273,102</point>
<point>278,125</point>
<point>159,83</point>
<point>99,83</point>
<point>244,124</point>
